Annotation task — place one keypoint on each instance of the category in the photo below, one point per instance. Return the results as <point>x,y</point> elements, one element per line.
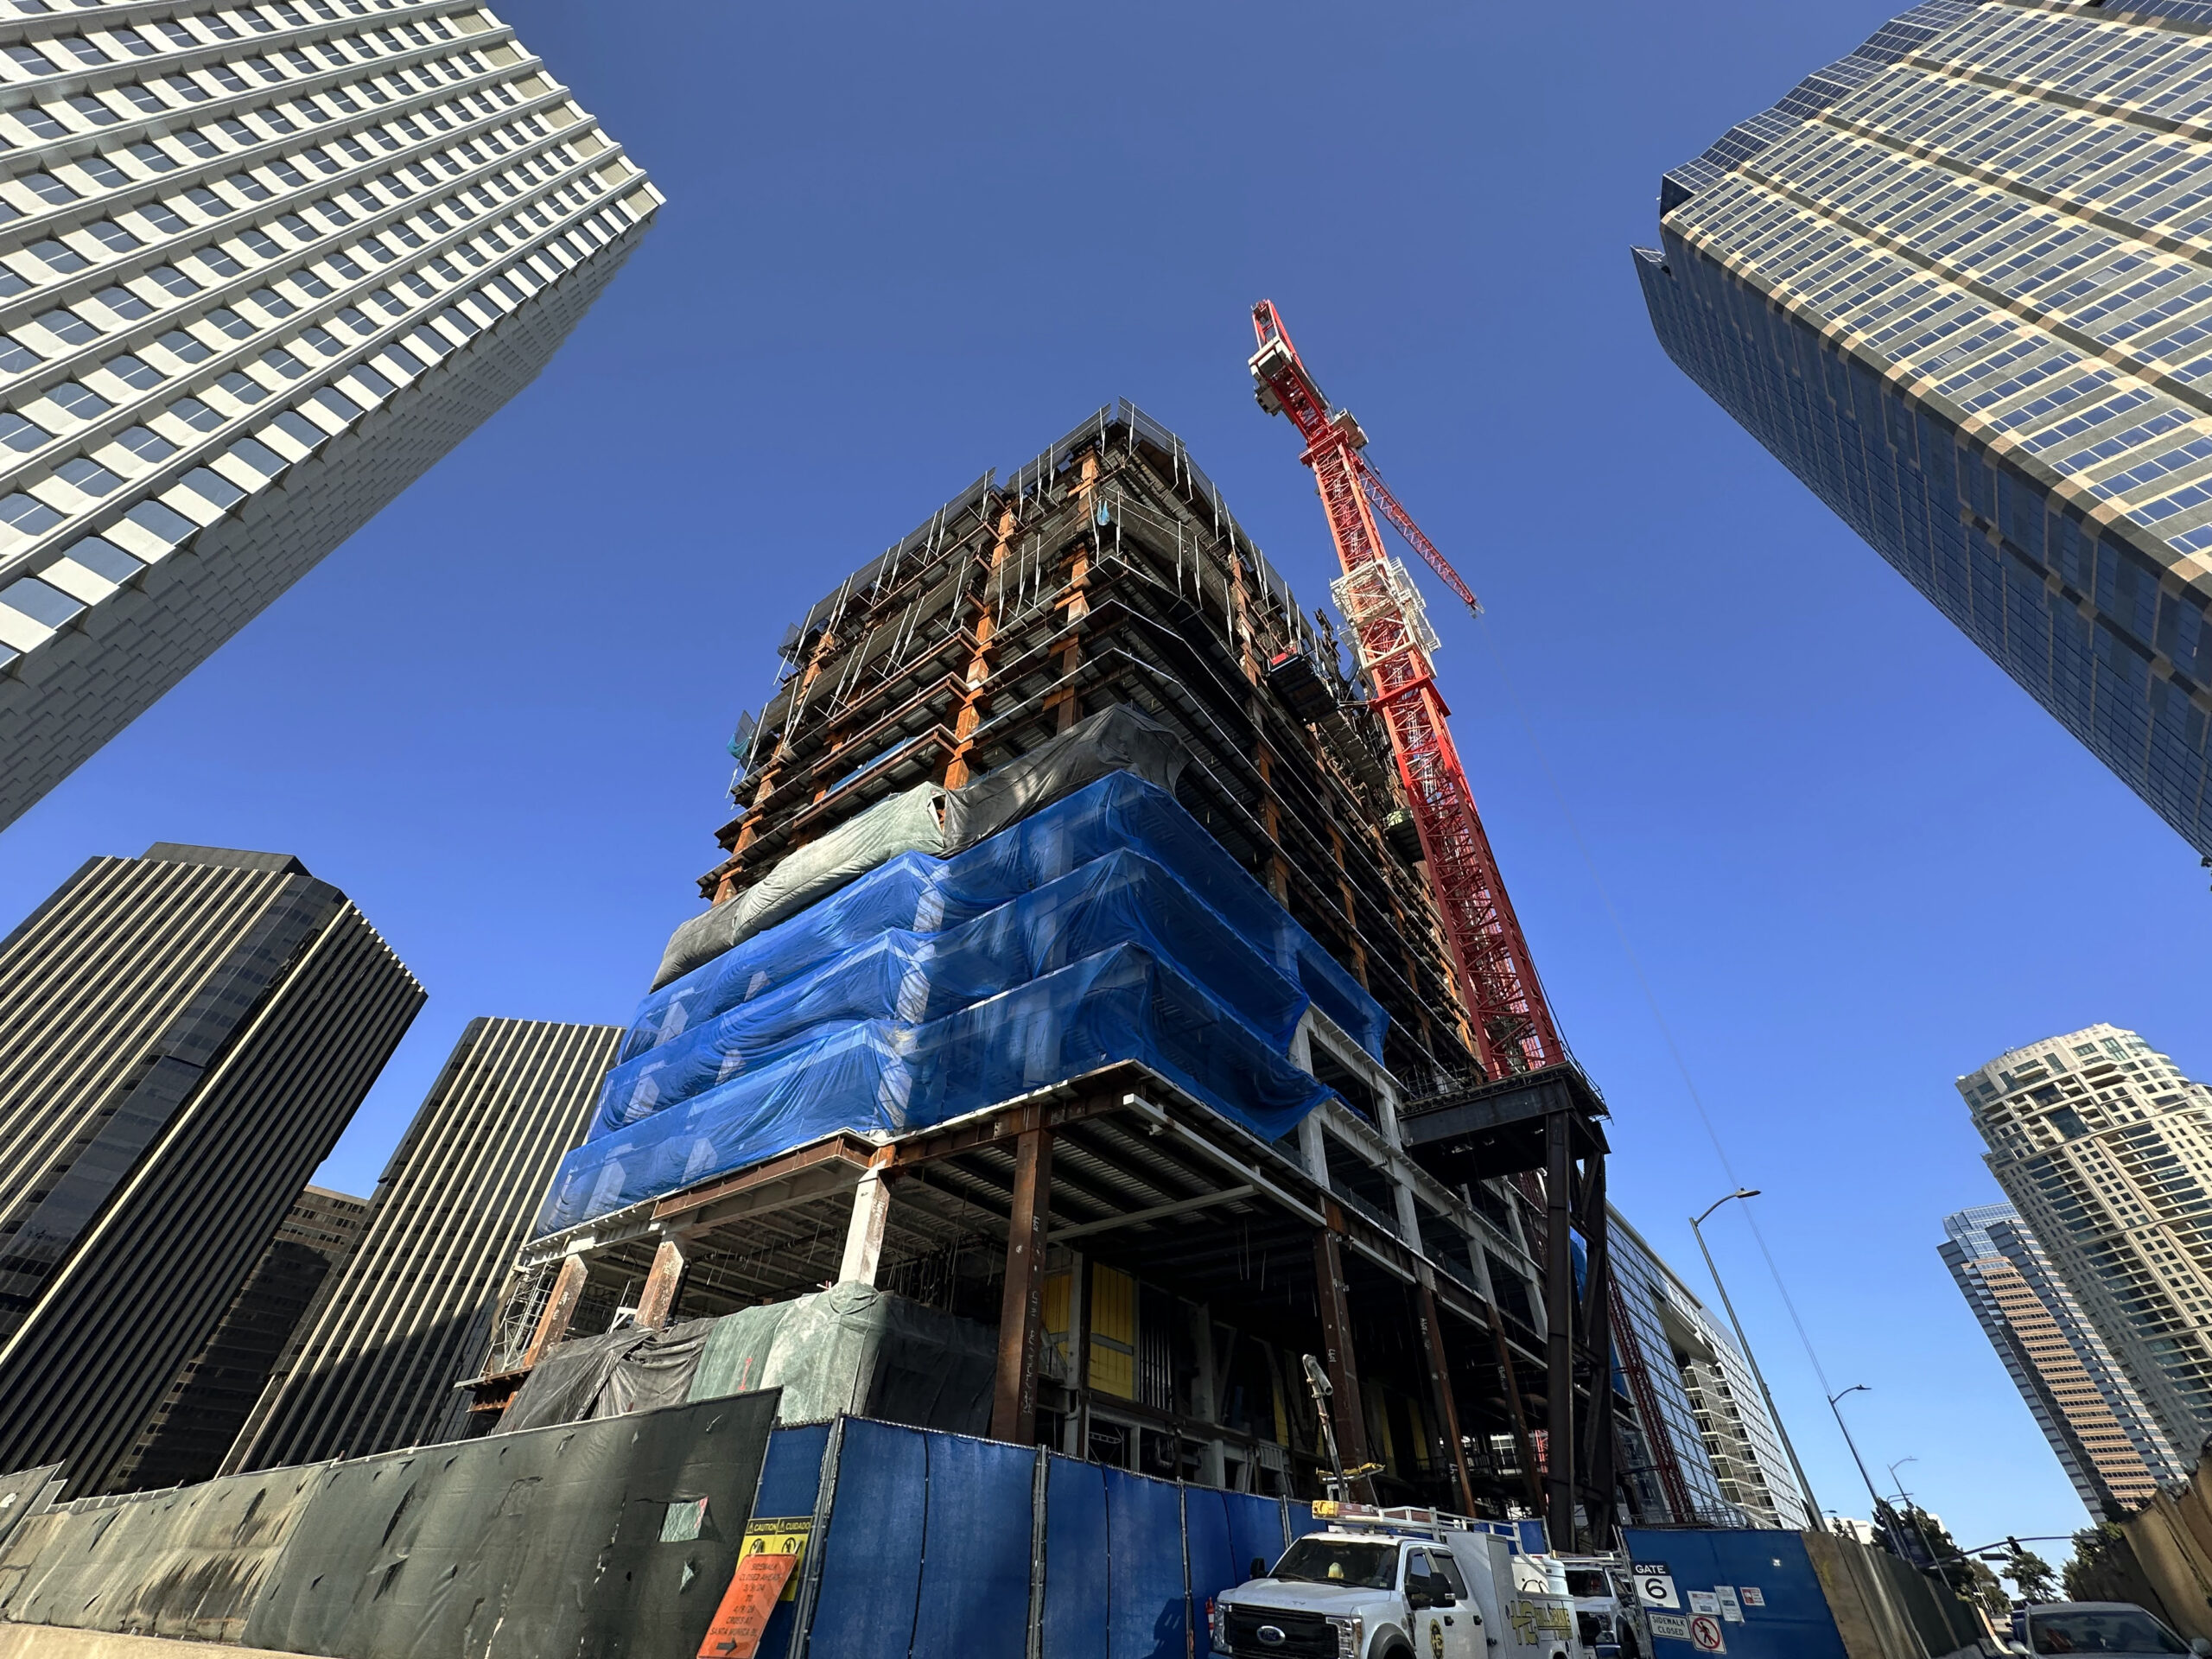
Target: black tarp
<point>1123,738</point>
<point>185,1562</point>
<point>606,1375</point>
<point>582,1539</point>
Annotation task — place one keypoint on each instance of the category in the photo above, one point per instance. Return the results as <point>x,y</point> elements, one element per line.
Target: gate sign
<point>1705,1634</point>
<point>1655,1585</point>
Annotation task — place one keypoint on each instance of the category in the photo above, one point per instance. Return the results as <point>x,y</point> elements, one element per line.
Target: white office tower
<point>2105,1151</point>
<point>260,267</point>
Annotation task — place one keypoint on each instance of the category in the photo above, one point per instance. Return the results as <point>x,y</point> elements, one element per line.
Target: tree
<point>2031,1574</point>
<point>1927,1543</point>
<point>2104,1569</point>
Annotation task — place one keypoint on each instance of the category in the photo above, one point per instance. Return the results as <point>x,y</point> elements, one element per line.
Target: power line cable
<point>1650,997</point>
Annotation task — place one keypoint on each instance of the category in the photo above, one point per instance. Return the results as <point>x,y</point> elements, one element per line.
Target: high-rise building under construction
<point>1071,970</point>
<point>1959,282</point>
<point>260,267</point>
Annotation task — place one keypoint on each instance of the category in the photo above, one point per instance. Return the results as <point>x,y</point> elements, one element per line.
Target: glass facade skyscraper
<point>1691,1384</point>
<point>1960,284</point>
<point>260,267</point>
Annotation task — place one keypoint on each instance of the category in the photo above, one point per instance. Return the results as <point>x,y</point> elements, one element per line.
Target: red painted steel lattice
<point>1512,1026</point>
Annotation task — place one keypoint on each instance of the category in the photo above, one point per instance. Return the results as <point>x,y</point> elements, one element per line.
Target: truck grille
<point>1305,1635</point>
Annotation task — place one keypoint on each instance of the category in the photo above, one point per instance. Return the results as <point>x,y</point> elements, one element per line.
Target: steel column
<point>1440,1381</point>
<point>871,1216</point>
<point>1559,1329</point>
<point>1523,1446</point>
<point>1346,1408</point>
<point>560,1308</point>
<point>1021,1306</point>
<point>665,1279</point>
<point>1596,1311</point>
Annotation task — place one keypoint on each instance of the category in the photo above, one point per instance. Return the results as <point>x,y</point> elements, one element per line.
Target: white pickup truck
<point>1399,1584</point>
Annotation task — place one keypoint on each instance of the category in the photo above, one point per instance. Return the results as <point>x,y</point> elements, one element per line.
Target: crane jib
<point>1510,1023</point>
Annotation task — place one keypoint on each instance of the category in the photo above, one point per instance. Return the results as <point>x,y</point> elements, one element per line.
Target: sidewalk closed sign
<point>1655,1585</point>
<point>769,1551</point>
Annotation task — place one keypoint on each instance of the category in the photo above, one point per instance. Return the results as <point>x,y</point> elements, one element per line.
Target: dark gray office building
<point>1959,282</point>
<point>182,1038</point>
<point>210,1399</point>
<point>410,1314</point>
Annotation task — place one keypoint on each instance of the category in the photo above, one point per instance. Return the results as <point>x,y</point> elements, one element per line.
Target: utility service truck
<point>1399,1584</point>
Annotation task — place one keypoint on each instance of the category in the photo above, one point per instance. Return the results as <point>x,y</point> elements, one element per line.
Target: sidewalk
<point>54,1642</point>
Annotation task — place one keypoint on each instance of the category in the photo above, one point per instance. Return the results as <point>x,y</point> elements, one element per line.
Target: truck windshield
<point>1340,1560</point>
<point>2130,1631</point>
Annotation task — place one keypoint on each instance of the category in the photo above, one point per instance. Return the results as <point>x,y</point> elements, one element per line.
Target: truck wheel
<point>1396,1651</point>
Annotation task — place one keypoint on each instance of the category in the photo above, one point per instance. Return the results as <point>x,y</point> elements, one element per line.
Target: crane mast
<point>1511,1024</point>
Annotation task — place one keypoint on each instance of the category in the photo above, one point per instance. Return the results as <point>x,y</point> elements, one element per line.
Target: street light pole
<point>1897,1542</point>
<point>1913,1512</point>
<point>1897,1485</point>
<point>1812,1504</point>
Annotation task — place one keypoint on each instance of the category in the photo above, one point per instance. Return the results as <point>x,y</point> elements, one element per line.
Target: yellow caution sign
<point>785,1537</point>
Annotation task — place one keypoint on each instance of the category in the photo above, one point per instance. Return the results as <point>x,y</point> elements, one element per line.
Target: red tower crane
<point>1512,1026</point>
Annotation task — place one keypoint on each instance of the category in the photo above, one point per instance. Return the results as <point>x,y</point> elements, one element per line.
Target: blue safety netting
<point>904,892</point>
<point>918,894</point>
<point>875,1075</point>
<point>914,978</point>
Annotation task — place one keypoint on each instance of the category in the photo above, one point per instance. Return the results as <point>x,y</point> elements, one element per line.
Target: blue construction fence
<point>936,1546</point>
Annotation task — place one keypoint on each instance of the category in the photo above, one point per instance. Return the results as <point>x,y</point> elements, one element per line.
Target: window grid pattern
<point>1965,295</point>
<point>2106,1149</point>
<point>2111,1447</point>
<point>236,242</point>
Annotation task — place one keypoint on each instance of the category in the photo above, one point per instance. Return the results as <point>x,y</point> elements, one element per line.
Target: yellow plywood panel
<point>1113,1370</point>
<point>1114,1306</point>
<point>1113,1332</point>
<point>1057,1301</point>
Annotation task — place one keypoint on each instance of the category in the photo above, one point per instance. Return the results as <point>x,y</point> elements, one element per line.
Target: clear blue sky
<point>904,244</point>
